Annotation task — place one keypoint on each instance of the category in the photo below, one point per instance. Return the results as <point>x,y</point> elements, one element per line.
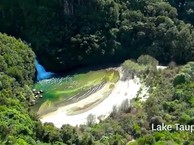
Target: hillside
<point>80,33</point>
<point>97,54</point>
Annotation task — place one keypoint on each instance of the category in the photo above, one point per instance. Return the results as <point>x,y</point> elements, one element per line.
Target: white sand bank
<point>123,90</point>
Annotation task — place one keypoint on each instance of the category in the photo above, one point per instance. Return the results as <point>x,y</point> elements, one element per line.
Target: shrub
<point>147,60</point>
<point>91,119</point>
<point>172,65</point>
<point>180,79</point>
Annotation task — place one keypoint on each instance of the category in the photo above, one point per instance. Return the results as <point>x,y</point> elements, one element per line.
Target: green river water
<point>69,89</point>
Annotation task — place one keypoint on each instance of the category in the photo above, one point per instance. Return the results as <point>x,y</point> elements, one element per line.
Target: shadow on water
<point>42,74</point>
<point>83,70</point>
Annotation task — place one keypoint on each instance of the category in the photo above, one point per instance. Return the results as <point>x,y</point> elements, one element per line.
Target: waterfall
<point>41,72</point>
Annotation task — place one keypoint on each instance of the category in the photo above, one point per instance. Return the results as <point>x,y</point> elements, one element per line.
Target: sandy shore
<point>123,90</point>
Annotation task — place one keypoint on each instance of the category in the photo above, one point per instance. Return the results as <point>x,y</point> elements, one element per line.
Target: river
<point>70,100</point>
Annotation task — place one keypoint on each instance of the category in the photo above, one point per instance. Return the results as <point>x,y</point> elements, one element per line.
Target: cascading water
<point>41,72</point>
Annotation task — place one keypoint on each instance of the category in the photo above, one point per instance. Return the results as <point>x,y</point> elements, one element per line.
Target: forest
<point>68,34</point>
<point>80,33</point>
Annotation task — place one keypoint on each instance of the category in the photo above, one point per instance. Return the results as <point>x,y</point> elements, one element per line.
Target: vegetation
<point>66,34</point>
<point>16,74</point>
<point>185,9</point>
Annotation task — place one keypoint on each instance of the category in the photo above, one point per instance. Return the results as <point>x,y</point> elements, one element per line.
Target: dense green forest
<point>79,32</point>
<point>66,34</point>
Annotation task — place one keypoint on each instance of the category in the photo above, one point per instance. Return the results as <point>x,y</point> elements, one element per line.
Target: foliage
<point>131,68</point>
<point>16,74</point>
<point>147,60</point>
<point>188,70</point>
<point>180,79</point>
<point>66,34</point>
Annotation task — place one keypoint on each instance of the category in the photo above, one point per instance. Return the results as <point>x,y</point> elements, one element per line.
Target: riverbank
<point>123,90</point>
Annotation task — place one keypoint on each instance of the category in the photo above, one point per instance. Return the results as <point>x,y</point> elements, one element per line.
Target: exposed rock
<point>32,102</point>
<point>41,91</point>
<point>36,95</point>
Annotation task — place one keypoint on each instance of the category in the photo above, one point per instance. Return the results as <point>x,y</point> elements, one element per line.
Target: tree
<point>181,79</point>
<point>82,33</point>
<point>69,135</point>
<point>91,119</point>
<point>147,60</point>
<point>50,133</point>
<point>125,106</point>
